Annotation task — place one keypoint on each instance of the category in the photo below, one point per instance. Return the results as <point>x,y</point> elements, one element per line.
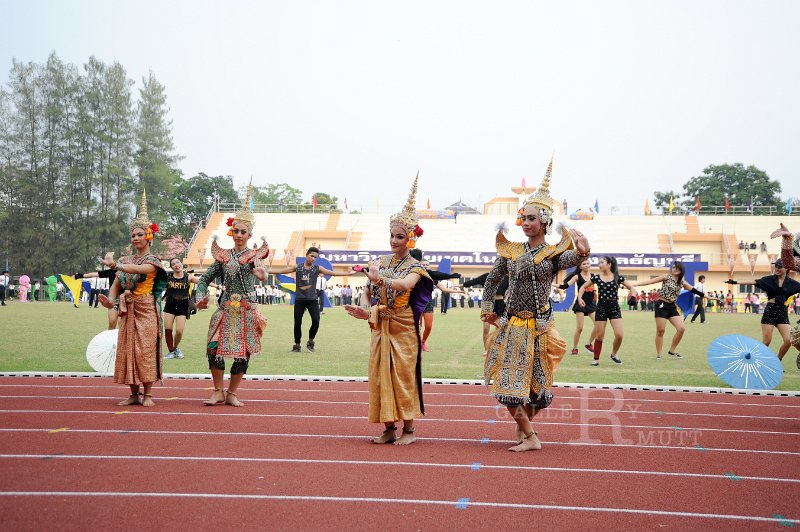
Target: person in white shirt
<point>700,307</point>
<point>4,282</point>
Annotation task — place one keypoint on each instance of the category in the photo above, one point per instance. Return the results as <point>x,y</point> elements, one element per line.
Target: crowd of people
<point>150,305</point>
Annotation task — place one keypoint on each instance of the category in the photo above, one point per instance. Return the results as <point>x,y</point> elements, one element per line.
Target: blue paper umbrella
<point>743,362</point>
<point>685,303</point>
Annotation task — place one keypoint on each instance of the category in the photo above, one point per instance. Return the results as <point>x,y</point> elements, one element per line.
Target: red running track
<point>298,456</point>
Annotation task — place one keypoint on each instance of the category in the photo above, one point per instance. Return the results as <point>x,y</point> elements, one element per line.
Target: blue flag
<point>596,207</point>
<point>789,206</point>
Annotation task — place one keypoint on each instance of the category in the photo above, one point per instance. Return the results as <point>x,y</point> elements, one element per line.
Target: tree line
<point>78,144</point>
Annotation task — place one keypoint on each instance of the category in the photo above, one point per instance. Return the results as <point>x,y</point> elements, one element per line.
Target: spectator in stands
<point>742,245</point>
<point>763,247</point>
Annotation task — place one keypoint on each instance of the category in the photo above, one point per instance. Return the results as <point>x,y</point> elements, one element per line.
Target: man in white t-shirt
<point>4,282</point>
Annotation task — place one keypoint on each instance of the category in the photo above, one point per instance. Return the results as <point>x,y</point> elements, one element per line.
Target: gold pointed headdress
<point>244,215</point>
<point>541,198</point>
<point>407,218</point>
<point>143,220</point>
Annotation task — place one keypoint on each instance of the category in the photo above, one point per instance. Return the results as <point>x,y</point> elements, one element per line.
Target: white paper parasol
<point>102,351</point>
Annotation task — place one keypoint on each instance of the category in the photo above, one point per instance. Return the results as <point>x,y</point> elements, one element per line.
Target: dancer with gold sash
<point>522,361</point>
<point>237,325</point>
<point>140,281</point>
<point>399,288</point>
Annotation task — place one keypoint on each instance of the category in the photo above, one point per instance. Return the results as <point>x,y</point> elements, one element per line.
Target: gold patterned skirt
<point>394,387</point>
<point>237,326</point>
<point>139,342</point>
<point>522,361</point>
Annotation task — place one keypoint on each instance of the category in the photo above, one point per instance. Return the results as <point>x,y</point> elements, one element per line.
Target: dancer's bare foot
<point>132,400</point>
<point>218,397</point>
<point>529,443</point>
<point>148,400</point>
<point>388,436</point>
<point>407,438</point>
<point>232,400</point>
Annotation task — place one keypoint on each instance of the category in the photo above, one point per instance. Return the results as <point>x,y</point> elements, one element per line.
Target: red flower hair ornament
<point>418,231</point>
<point>151,230</point>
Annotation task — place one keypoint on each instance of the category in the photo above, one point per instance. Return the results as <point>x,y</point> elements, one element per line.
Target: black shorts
<point>428,307</point>
<point>607,310</point>
<point>666,310</point>
<point>499,307</point>
<point>177,307</point>
<point>775,314</point>
<point>588,307</point>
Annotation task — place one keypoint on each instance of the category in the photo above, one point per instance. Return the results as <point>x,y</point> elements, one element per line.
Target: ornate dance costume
<point>237,325</point>
<point>139,342</point>
<point>523,359</point>
<point>395,364</point>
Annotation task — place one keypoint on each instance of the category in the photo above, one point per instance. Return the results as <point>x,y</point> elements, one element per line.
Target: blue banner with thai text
<point>487,258</point>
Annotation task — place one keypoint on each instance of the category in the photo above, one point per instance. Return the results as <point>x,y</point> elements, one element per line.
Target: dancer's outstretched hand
<point>781,231</point>
<point>105,301</point>
<point>203,303</point>
<point>357,312</point>
<point>581,242</point>
<point>490,318</point>
<point>373,271</point>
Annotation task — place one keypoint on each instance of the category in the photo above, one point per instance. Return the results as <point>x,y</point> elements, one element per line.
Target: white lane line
<point>590,397</point>
<point>377,500</point>
<point>576,443</point>
<point>616,412</point>
<point>388,463</point>
<point>539,420</point>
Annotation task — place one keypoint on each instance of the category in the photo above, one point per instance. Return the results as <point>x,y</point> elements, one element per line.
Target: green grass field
<point>53,337</point>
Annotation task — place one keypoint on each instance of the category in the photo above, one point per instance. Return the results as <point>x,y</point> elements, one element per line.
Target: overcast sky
<point>352,97</point>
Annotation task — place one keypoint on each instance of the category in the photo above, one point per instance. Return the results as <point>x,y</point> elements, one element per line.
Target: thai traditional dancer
<point>779,288</point>
<point>523,359</point>
<point>579,277</point>
<point>439,278</point>
<point>305,295</point>
<point>607,283</point>
<point>143,279</point>
<point>237,325</point>
<point>666,310</point>
<point>176,306</point>
<point>398,291</point>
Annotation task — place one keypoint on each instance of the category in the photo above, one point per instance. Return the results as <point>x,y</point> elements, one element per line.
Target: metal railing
<point>278,208</point>
<point>201,226</point>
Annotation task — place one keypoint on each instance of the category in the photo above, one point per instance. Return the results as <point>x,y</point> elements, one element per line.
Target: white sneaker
<point>171,354</point>
<point>595,362</point>
<point>178,352</point>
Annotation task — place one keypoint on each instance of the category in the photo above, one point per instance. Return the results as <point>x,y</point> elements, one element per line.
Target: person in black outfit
<point>580,276</point>
<point>779,288</point>
<point>499,307</point>
<point>306,274</point>
<point>437,277</point>
<point>111,275</point>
